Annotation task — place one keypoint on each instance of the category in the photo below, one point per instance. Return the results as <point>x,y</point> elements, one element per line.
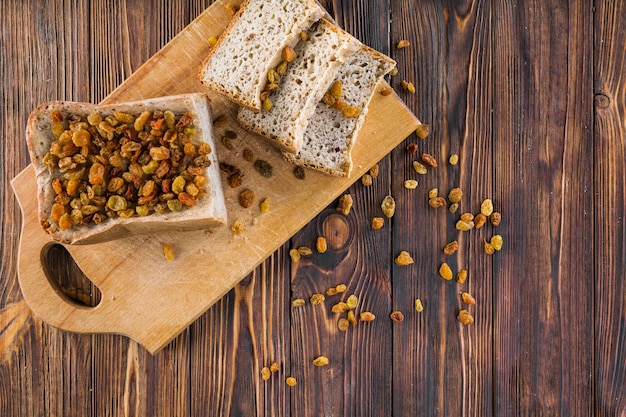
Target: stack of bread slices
<point>301,82</point>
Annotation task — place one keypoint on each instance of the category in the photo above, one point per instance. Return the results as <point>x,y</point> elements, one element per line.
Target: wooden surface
<point>529,94</point>
<point>145,296</point>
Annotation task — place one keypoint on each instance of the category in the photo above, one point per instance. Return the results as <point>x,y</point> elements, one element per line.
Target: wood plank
<point>609,185</point>
<point>450,63</point>
<point>543,362</point>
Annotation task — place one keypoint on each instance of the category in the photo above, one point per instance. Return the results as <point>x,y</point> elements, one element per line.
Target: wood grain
<point>530,94</point>
<point>609,185</point>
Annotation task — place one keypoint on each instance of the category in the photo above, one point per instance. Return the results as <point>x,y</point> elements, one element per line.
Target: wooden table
<point>530,95</point>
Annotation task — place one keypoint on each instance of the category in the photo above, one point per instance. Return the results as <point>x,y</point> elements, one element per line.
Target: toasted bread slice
<point>120,175</point>
<point>238,64</point>
<point>329,137</point>
<point>307,78</point>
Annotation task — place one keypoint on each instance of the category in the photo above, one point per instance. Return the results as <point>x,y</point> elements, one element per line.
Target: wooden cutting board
<point>150,299</point>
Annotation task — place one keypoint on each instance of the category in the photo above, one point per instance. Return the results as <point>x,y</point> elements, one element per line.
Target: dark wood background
<point>530,94</point>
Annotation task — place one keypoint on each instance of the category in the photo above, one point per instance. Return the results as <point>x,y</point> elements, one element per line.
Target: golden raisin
<point>265,206</point>
<point>486,207</point>
<point>445,271</point>
<point>461,276</point>
<point>419,168</point>
<point>343,324</point>
<point>467,298</point>
<point>410,184</point>
<point>403,43</point>
<point>404,259</point>
<point>422,131</point>
<point>397,316</point>
<point>433,193</point>
<point>288,54</point>
<point>451,247</point>
<point>274,367</point>
<point>454,159</point>
<point>295,255</point>
<point>378,223</point>
<point>351,318</point>
<point>168,252</point>
<point>479,220</point>
<point>467,217</point>
<point>388,206</point>
<point>320,244</point>
<point>495,218</point>
<point>350,112</point>
<point>291,381</point>
<point>455,195</point>
<point>298,302</point>
<point>437,202</point>
<point>265,373</point>
<point>367,316</point>
<point>317,299</point>
<point>465,317</point>
<point>305,251</point>
<point>352,301</point>
<point>429,160</point>
<point>419,307</point>
<point>464,226</point>
<point>374,171</point>
<point>345,204</point>
<point>320,361</point>
<point>496,242</point>
<point>386,91</point>
<point>489,250</point>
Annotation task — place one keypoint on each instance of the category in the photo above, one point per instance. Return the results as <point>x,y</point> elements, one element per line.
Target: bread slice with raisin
<point>105,172</point>
<point>238,64</point>
<point>330,135</point>
<point>301,87</point>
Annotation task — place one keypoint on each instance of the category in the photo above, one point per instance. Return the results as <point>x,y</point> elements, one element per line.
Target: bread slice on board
<point>329,136</point>
<point>307,78</point>
<point>132,157</point>
<point>238,64</point>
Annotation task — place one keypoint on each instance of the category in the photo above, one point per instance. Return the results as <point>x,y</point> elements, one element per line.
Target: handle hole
<point>68,279</point>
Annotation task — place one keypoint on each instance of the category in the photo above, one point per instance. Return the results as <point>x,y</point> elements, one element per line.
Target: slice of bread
<point>307,78</point>
<point>238,64</point>
<point>330,136</point>
<point>124,171</point>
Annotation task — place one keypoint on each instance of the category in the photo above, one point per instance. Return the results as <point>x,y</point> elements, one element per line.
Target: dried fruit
<point>486,207</point>
<point>274,367</point>
<point>408,86</point>
<point>411,148</point>
<point>389,206</point>
<point>433,193</point>
<point>291,381</point>
<point>343,324</point>
<point>489,250</point>
<point>320,361</point>
<point>336,89</point>
<point>321,245</point>
<point>410,184</point>
<point>465,317</point>
<point>350,112</point>
<point>366,180</point>
<point>437,202</point>
<point>479,220</point>
<point>393,72</point>
<point>467,217</point>
<point>495,218</point>
<point>367,316</point>
<point>212,41</point>
<point>378,223</point>
<point>403,43</point>
<point>467,298</point>
<point>397,316</point>
<point>464,226</point>
<point>419,307</point>
<point>263,167</point>
<point>265,206</point>
<point>445,271</point>
<point>305,251</point>
<point>248,155</point>
<point>454,207</point>
<point>295,255</point>
<point>298,302</point>
<point>455,195</point>
<point>267,104</point>
<point>265,373</point>
<point>168,252</point>
<point>352,301</point>
<point>288,54</point>
<point>340,307</point>
<point>246,198</point>
<point>351,318</point>
<point>299,173</point>
<point>454,159</point>
<point>429,160</point>
<point>345,204</point>
<point>404,259</point>
<point>451,247</point>
<point>317,299</point>
<point>341,288</point>
<point>304,35</point>
<point>386,91</point>
<point>419,168</point>
<point>496,242</point>
<point>374,171</point>
<point>237,227</point>
<point>461,276</point>
<point>422,131</point>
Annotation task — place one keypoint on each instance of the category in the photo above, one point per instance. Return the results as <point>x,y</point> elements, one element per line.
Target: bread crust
<point>209,212</point>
